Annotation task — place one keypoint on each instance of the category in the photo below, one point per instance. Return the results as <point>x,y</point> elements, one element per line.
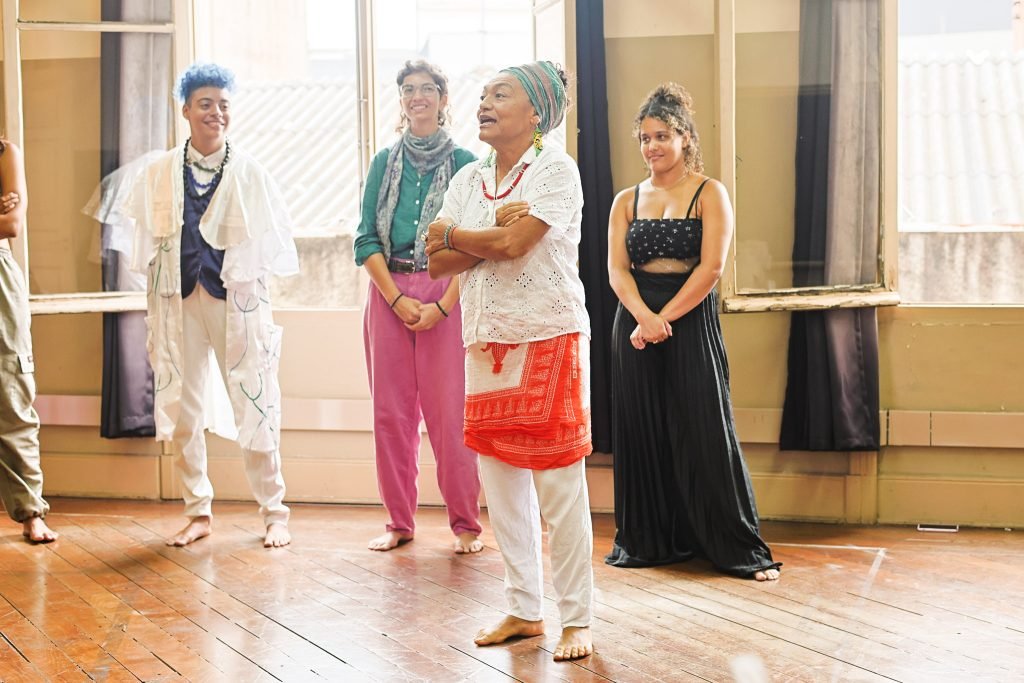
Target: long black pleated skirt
<point>682,489</point>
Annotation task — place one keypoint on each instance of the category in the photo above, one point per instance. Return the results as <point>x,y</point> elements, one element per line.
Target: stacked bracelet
<point>441,308</point>
<point>400,295</point>
<point>449,229</point>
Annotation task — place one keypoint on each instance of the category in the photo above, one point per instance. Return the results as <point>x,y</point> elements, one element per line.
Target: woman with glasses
<point>412,325</point>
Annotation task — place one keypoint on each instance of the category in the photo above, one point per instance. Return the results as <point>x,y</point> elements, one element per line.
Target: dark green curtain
<point>127,390</point>
<point>832,401</point>
<point>594,160</point>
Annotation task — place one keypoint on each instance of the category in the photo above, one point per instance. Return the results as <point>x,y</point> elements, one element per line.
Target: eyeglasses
<point>426,89</point>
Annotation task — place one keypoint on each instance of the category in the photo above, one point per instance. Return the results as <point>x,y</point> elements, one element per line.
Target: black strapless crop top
<point>653,238</point>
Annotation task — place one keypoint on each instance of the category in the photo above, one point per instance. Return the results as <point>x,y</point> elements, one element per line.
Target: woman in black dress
<point>681,486</point>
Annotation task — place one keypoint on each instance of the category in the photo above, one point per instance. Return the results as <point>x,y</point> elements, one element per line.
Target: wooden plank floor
<point>110,602</point>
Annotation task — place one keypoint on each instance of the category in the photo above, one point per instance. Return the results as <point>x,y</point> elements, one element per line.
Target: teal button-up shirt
<point>406,223</point>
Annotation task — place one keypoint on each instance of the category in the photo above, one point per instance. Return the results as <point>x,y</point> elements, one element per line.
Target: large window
<point>83,94</point>
<point>801,86</point>
<point>91,82</point>
<point>299,111</point>
<point>807,151</point>
<point>961,218</point>
<point>469,40</point>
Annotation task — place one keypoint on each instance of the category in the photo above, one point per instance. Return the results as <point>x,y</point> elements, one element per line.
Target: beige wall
<point>943,372</point>
<point>635,66</point>
<point>950,366</point>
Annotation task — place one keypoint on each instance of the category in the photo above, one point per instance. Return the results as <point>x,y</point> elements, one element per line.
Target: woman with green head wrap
<point>510,226</point>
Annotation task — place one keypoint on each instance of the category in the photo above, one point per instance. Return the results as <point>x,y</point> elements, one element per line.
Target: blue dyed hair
<point>202,75</point>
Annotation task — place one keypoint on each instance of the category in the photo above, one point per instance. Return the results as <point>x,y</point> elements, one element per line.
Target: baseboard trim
<point>755,425</point>
<point>851,498</point>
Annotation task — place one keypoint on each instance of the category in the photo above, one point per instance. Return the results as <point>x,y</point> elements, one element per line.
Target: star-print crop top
<point>653,238</point>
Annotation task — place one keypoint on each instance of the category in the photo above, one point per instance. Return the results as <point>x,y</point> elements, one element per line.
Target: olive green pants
<point>21,480</point>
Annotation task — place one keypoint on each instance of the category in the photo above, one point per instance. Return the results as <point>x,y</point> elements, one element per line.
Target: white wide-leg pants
<point>516,500</point>
<point>204,322</point>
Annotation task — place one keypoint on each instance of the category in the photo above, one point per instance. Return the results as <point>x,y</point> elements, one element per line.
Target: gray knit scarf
<point>432,153</point>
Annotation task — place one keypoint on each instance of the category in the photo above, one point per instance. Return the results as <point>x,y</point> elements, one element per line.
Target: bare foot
<point>767,575</point>
<point>389,541</point>
<point>575,643</point>
<point>36,531</point>
<point>199,527</point>
<point>277,536</point>
<point>509,627</point>
<point>466,543</point>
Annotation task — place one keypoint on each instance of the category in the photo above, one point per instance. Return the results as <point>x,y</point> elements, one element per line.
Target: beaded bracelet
<point>447,235</point>
<point>441,308</point>
<point>400,295</point>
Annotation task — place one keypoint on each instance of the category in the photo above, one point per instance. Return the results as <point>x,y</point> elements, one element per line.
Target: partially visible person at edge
<point>511,226</point>
<point>681,486</point>
<point>412,326</point>
<point>211,229</point>
<point>21,479</point>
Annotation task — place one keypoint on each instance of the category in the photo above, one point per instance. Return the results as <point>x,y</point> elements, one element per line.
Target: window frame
<point>179,28</point>
<point>824,297</point>
<point>182,30</point>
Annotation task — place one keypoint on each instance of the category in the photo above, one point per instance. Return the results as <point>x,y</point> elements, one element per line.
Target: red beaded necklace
<point>511,187</point>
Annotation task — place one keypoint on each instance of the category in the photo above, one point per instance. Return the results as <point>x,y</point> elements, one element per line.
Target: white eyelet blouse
<point>538,295</point>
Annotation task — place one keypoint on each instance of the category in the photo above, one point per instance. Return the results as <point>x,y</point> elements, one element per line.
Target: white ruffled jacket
<point>248,219</point>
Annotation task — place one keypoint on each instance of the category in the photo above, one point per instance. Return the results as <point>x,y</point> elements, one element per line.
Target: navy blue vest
<point>199,261</point>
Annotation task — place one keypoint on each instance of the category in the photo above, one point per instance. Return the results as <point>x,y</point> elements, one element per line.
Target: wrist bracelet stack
<point>449,229</point>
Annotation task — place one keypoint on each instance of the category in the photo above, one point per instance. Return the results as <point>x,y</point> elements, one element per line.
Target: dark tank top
<point>675,238</point>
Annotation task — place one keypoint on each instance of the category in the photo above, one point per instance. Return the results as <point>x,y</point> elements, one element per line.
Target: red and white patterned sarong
<point>528,404</point>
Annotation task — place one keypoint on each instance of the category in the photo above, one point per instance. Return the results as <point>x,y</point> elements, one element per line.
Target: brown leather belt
<point>396,265</point>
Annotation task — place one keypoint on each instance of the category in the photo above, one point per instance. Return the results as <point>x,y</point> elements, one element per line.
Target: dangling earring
<point>538,141</point>
<point>489,161</point>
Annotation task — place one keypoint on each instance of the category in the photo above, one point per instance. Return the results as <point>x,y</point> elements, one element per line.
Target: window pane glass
<point>96,10</point>
<point>807,89</point>
<point>297,111</point>
<point>91,103</point>
<point>468,39</point>
<point>961,132</point>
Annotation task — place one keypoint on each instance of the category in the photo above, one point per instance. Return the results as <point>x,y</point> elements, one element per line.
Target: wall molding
<point>955,429</point>
<point>331,461</point>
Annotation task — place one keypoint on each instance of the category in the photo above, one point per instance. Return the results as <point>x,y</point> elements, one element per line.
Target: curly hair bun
<point>672,96</point>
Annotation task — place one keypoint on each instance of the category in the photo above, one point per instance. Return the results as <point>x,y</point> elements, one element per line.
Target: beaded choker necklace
<point>511,187</point>
<point>193,186</point>
<point>218,168</point>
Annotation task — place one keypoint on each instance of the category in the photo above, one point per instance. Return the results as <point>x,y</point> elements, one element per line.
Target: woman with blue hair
<point>510,226</point>
<point>211,228</point>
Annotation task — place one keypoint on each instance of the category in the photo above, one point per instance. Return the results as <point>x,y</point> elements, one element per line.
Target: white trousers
<point>516,500</point>
<point>204,322</point>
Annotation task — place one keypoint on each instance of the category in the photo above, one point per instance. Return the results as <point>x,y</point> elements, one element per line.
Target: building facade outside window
<point>961,132</point>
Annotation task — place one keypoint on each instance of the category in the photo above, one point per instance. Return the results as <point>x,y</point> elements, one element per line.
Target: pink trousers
<point>414,375</point>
